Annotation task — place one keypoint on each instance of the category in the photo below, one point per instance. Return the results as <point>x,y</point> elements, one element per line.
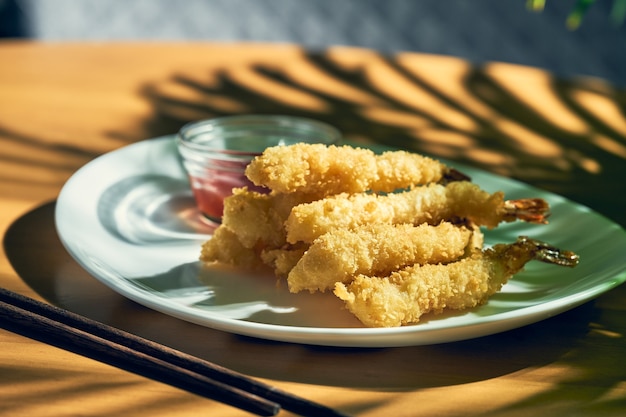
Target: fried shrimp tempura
<point>430,204</point>
<point>405,295</point>
<point>252,232</point>
<point>394,236</point>
<point>258,219</point>
<point>376,249</point>
<point>328,170</point>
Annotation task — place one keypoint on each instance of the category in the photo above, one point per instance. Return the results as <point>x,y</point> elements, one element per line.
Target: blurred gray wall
<point>478,30</point>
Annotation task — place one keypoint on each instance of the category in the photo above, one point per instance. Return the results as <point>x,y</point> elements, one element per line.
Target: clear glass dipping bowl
<point>215,152</point>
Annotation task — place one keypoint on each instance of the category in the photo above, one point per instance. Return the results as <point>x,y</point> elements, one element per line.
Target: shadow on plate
<point>138,210</point>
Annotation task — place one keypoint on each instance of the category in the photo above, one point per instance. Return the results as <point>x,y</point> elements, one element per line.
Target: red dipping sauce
<point>215,152</point>
<point>210,188</point>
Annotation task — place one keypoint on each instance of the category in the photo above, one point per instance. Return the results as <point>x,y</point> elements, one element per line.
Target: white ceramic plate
<point>129,219</point>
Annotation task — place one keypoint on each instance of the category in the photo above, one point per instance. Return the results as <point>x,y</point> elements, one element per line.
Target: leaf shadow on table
<point>570,138</point>
<point>562,340</point>
<point>33,156</point>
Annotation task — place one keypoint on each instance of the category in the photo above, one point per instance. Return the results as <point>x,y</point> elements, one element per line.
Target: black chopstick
<point>70,331</point>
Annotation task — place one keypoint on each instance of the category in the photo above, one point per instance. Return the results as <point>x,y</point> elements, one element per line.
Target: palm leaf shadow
<point>566,174</point>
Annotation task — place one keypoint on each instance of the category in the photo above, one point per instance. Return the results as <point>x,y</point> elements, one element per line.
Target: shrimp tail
<point>532,210</point>
<point>512,257</point>
<point>547,253</point>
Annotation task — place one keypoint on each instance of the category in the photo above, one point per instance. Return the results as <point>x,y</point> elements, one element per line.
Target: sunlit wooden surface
<point>61,105</point>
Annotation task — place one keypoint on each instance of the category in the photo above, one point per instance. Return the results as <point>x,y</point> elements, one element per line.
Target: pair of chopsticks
<point>78,334</point>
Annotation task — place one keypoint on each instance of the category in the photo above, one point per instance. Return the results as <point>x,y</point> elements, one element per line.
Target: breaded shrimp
<point>328,170</point>
<point>405,295</point>
<point>427,204</point>
<point>376,249</point>
<point>258,219</point>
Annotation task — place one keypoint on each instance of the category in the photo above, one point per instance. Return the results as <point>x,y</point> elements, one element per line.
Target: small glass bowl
<point>215,152</point>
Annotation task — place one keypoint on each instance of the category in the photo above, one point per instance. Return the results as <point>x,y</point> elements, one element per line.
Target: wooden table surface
<point>62,105</point>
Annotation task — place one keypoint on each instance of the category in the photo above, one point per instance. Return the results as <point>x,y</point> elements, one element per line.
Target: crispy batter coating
<point>258,219</point>
<point>405,295</point>
<point>430,204</point>
<point>328,170</point>
<point>224,247</point>
<point>283,260</point>
<point>375,249</point>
